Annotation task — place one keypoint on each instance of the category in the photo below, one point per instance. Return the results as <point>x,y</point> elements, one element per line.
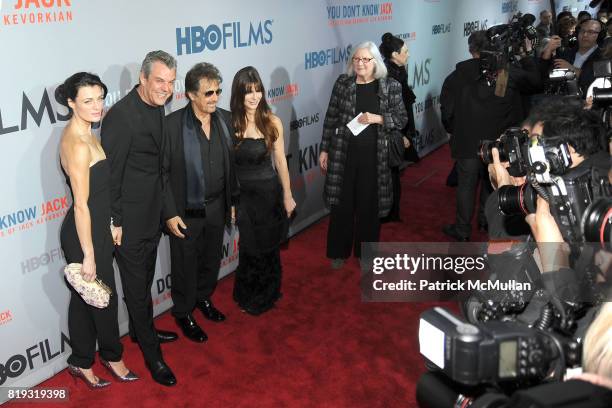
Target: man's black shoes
<point>161,373</point>
<point>190,329</point>
<point>166,336</point>
<point>210,311</point>
<point>451,231</point>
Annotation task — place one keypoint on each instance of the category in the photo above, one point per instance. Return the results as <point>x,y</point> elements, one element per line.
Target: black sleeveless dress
<point>262,222</point>
<point>86,323</point>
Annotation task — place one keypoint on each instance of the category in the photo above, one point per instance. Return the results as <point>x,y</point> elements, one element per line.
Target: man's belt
<point>201,212</point>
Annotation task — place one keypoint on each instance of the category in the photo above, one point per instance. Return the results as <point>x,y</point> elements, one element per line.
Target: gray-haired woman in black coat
<point>358,180</point>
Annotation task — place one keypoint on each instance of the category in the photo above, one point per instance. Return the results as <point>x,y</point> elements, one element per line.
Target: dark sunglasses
<point>210,93</point>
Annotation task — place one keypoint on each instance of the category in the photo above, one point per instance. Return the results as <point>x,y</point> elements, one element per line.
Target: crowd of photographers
<point>545,180</point>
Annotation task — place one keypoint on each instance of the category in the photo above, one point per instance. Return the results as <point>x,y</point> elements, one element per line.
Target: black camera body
<point>602,94</point>
<point>505,45</point>
<point>562,82</point>
<point>512,147</point>
<point>568,42</point>
<point>580,203</point>
<point>602,97</point>
<point>579,198</point>
<point>508,38</point>
<point>494,352</point>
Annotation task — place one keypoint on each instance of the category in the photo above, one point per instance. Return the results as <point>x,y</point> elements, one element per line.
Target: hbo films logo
<point>14,367</point>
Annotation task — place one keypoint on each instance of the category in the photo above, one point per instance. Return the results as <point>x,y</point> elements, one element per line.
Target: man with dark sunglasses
<point>200,191</point>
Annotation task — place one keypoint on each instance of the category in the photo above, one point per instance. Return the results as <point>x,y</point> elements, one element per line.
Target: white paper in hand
<point>356,127</point>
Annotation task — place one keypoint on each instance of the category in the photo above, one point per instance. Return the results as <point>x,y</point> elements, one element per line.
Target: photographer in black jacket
<point>471,112</point>
<point>564,258</point>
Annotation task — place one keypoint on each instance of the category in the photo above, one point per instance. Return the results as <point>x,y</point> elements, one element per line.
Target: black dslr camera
<point>512,147</point>
<point>602,94</point>
<point>580,199</point>
<point>505,45</point>
<point>507,353</point>
<point>562,82</point>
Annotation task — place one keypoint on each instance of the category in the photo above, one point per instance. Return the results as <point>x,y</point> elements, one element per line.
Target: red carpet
<point>321,346</point>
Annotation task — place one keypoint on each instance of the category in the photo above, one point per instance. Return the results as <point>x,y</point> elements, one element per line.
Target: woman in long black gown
<point>265,194</point>
<point>86,235</point>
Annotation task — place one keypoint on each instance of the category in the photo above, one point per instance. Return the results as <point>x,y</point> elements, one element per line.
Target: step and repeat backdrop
<point>299,48</point>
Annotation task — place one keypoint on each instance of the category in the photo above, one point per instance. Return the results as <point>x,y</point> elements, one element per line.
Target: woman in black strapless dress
<point>266,201</point>
<point>85,234</point>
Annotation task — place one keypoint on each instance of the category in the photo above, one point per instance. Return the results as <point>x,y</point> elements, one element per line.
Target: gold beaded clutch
<point>94,293</point>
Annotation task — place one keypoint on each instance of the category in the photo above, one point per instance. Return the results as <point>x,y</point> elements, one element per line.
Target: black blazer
<point>175,195</point>
<point>134,147</point>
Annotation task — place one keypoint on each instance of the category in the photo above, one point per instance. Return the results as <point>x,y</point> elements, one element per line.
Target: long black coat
<point>336,136</point>
<point>472,112</point>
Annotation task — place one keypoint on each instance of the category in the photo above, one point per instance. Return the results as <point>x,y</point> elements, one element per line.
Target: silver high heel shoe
<point>77,373</point>
<point>130,376</point>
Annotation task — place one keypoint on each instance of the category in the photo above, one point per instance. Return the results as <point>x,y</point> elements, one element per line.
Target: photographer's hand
<point>594,379</point>
<point>542,223</point>
<point>498,173</point>
<point>561,63</point>
<point>528,46</point>
<point>554,252</point>
<point>551,46</point>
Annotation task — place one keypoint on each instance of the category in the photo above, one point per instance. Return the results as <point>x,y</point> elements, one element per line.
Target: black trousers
<point>88,324</point>
<point>136,262</point>
<point>195,260</point>
<point>394,213</point>
<point>469,173</point>
<point>355,219</point>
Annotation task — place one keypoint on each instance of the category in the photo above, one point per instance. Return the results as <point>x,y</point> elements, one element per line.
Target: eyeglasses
<point>357,60</point>
<point>210,93</point>
<point>589,32</point>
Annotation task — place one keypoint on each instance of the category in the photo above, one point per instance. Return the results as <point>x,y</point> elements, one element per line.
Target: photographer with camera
<point>577,60</point>
<point>472,111</point>
<point>574,144</point>
<point>556,170</point>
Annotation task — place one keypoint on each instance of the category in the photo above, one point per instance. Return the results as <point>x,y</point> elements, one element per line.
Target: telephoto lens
<point>602,96</point>
<point>517,200</point>
<point>597,222</point>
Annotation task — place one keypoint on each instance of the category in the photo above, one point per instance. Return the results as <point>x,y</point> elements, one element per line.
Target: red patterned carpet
<point>321,346</point>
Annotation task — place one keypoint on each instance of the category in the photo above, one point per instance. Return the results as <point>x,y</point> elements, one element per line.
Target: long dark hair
<point>70,88</point>
<point>246,80</point>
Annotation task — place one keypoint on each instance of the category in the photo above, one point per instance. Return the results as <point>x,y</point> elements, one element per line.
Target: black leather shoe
<point>166,336</point>
<point>162,336</point>
<point>451,231</point>
<point>210,311</point>
<point>190,329</point>
<point>161,373</point>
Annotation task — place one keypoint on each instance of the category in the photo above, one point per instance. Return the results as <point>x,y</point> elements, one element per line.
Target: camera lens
<point>597,221</point>
<point>517,200</point>
<point>485,151</point>
<point>602,96</point>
